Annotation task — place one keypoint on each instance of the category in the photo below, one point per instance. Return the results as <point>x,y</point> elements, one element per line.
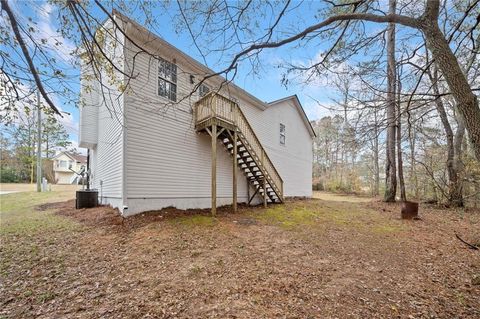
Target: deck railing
<point>214,105</point>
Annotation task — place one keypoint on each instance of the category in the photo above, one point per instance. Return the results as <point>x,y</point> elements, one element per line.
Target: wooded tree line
<point>18,146</point>
<point>346,162</point>
<point>416,143</point>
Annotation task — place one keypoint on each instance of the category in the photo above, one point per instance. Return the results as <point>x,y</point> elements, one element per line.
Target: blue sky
<point>266,84</point>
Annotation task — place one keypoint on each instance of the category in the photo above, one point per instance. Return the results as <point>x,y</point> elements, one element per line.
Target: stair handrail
<point>210,106</point>
<point>263,152</point>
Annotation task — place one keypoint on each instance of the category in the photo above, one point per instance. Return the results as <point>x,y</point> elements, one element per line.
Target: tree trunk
<point>390,169</point>
<point>457,145</point>
<point>401,180</point>
<point>376,190</point>
<point>413,167</point>
<point>47,147</point>
<point>455,197</point>
<point>467,102</point>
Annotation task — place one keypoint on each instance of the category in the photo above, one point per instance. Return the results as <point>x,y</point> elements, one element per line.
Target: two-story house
<point>64,163</point>
<point>158,139</point>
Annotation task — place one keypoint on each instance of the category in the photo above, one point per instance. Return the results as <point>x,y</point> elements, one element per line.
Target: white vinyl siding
<point>88,129</point>
<point>293,160</point>
<point>168,162</point>
<point>106,157</point>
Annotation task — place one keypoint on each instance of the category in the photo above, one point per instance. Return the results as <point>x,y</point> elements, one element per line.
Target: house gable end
<point>296,102</point>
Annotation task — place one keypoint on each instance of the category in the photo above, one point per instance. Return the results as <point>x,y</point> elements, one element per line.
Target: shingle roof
<point>76,157</point>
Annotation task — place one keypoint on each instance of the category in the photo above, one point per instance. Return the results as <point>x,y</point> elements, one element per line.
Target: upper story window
<point>203,90</point>
<point>282,134</point>
<point>62,164</point>
<point>167,79</point>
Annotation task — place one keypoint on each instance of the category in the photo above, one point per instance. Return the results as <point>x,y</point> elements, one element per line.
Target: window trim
<point>283,134</point>
<point>158,77</point>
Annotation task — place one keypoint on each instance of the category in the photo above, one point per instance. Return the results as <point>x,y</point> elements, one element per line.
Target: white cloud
<point>316,110</point>
<point>68,122</point>
<point>47,30</point>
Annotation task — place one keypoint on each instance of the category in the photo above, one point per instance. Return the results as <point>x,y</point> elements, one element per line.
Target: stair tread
<point>249,162</point>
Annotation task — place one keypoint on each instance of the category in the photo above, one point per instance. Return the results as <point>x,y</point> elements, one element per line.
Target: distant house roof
<point>298,105</point>
<point>79,158</point>
<point>76,157</point>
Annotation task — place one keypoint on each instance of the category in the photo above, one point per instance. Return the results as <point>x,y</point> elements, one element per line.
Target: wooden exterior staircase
<point>223,119</point>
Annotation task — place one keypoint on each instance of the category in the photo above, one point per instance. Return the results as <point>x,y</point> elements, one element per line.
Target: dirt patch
<point>66,205</point>
<point>304,259</point>
<point>246,221</point>
<point>98,216</point>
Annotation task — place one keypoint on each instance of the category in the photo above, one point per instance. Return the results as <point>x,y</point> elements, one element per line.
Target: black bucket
<point>86,198</point>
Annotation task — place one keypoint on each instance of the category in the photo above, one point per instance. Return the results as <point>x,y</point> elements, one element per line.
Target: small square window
<point>203,90</point>
<point>282,134</point>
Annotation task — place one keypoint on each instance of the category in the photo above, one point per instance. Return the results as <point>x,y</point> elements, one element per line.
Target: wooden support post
<point>234,186</point>
<point>255,193</point>
<point>264,192</point>
<point>281,190</point>
<point>214,169</point>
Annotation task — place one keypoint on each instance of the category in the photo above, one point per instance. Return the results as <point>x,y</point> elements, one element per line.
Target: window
<point>62,164</point>
<point>203,90</point>
<point>282,134</point>
<point>167,79</point>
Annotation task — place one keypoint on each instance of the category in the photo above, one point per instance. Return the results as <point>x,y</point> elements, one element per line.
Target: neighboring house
<point>157,145</point>
<point>62,163</point>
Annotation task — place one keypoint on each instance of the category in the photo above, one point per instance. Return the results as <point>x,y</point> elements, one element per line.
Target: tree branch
<point>395,18</point>
<point>26,54</point>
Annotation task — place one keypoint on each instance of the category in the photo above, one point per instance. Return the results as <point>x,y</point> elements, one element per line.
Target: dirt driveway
<point>306,259</point>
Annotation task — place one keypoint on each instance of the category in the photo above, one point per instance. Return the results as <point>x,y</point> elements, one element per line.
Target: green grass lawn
<point>19,216</point>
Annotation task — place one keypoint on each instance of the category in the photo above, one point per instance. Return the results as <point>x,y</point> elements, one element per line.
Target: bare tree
<point>401,179</point>
<point>390,168</point>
